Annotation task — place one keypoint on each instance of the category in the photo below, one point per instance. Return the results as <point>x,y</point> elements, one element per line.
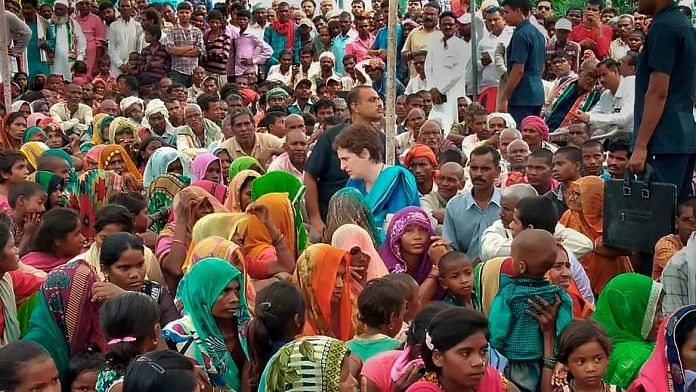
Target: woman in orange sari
<point>560,275</point>
<point>322,275</point>
<point>586,204</point>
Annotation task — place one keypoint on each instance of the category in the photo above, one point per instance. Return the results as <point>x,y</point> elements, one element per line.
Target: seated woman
<point>354,239</point>
<point>13,126</point>
<point>245,163</point>
<point>280,316</point>
<point>225,157</point>
<point>322,277</point>
<point>92,156</point>
<point>25,366</point>
<point>270,245</point>
<point>92,192</point>
<point>212,331</point>
<point>218,190</point>
<point>32,150</point>
<point>57,240</point>
<point>348,206</point>
<point>123,133</point>
<point>630,310</point>
<point>115,158</point>
<point>239,191</point>
<point>122,261</point>
<point>147,147</point>
<point>161,195</point>
<point>33,134</point>
<point>56,137</point>
<point>97,132</point>
<point>387,189</point>
<point>453,331</point>
<point>54,185</point>
<point>561,276</point>
<point>190,204</point>
<point>207,167</point>
<point>65,321</point>
<point>671,366</point>
<point>131,327</point>
<point>410,247</point>
<point>166,160</point>
<point>309,362</point>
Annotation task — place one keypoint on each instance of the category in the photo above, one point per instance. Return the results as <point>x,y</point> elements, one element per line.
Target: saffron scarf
<point>583,103</point>
<point>287,29</point>
<point>32,151</point>
<point>391,249</point>
<point>234,194</point>
<point>258,240</point>
<point>93,190</point>
<point>315,275</point>
<point>111,150</point>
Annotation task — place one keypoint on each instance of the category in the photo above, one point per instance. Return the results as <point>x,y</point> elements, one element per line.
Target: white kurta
<point>123,38</point>
<point>445,71</point>
<point>62,62</point>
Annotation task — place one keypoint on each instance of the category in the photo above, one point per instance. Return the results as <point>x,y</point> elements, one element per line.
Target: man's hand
<point>486,59</point>
<point>637,161</point>
<point>435,93</point>
<point>503,106</point>
<point>581,116</point>
<point>439,215</point>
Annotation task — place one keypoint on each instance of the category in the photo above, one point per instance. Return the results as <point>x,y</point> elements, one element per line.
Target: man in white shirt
<point>443,71</point>
<point>619,47</point>
<point>499,33</point>
<point>72,115</point>
<point>615,106</point>
<point>70,42</point>
<point>123,37</point>
<point>419,82</point>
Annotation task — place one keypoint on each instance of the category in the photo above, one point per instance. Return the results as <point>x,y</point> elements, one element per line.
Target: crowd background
<point>194,197</point>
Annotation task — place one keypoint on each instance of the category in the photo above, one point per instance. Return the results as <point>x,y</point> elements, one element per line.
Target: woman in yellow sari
<point>115,158</point>
<point>586,204</point>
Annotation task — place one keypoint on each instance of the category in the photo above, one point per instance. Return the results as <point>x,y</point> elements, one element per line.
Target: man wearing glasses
<point>544,9</point>
<point>560,42</point>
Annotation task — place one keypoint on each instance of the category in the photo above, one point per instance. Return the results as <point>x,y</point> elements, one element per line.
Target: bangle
<point>550,362</point>
<point>278,240</point>
<point>180,242</point>
<point>278,277</point>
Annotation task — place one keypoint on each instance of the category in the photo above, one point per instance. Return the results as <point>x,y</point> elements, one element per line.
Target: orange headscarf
<point>420,151</point>
<point>592,200</point>
<point>258,239</point>
<point>315,275</point>
<point>113,149</point>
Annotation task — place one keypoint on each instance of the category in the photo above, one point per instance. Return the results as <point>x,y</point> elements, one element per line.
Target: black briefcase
<point>637,213</point>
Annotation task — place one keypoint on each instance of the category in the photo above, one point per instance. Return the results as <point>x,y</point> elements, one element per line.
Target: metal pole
<point>474,50</point>
<point>391,83</point>
<point>5,63</point>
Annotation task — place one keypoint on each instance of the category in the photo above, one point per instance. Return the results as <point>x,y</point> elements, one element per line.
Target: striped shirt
<point>214,62</point>
<point>154,65</point>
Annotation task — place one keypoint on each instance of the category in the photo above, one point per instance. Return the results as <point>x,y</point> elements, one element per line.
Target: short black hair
<point>610,63</point>
<point>215,15</point>
<point>134,202</point>
<point>184,5</point>
<point>593,143</point>
<point>204,100</point>
<point>155,31</point>
<point>523,5</point>
<point>244,13</point>
<point>538,212</point>
<point>544,154</point>
<point>451,258</point>
<point>571,153</point>
<point>25,189</point>
<point>378,301</point>
<point>632,57</point>
<point>8,158</point>
<point>412,97</point>
<point>323,104</point>
<point>87,361</point>
<point>448,14</point>
<point>113,214</point>
<point>357,137</point>
<point>433,4</point>
<point>599,3</point>
<point>485,150</point>
<point>354,95</point>
<point>619,144</point>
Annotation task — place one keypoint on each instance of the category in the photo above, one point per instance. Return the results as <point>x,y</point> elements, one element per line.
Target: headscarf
<point>34,119</point>
<point>315,275</point>
<point>664,370</point>
<point>375,62</point>
<point>92,192</point>
<point>538,124</point>
<point>310,363</point>
<point>347,206</point>
<point>127,102</point>
<point>198,291</point>
<point>592,199</point>
<point>277,93</point>
<point>49,182</point>
<point>5,142</point>
<point>284,182</point>
<point>218,190</point>
<point>391,249</point>
<point>16,105</point>
<point>92,156</point>
<point>108,152</point>
<point>626,309</point>
<point>159,164</point>
<point>57,152</point>
<point>258,239</point>
<point>31,131</point>
<point>233,202</point>
<point>161,195</point>
<point>156,106</point>
<point>509,121</point>
<point>37,105</point>
<point>32,151</point>
<point>200,164</point>
<point>420,151</point>
<point>98,128</point>
<point>349,236</point>
<point>227,250</point>
<point>120,125</point>
<point>244,163</point>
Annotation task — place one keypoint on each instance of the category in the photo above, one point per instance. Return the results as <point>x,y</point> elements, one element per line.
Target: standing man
<point>665,130</point>
<point>259,12</point>
<point>281,35</point>
<point>42,42</point>
<point>592,34</point>
<point>360,45</point>
<point>443,64</point>
<point>419,37</point>
<point>19,37</point>
<point>184,44</point>
<point>560,42</point>
<point>247,50</point>
<point>70,42</point>
<point>524,92</point>
<point>338,45</point>
<point>123,37</point>
<point>94,31</point>
<point>489,78</point>
<point>619,47</point>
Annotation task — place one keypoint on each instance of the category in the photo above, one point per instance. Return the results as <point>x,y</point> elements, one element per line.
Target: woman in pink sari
<point>207,167</point>
<point>57,240</point>
<point>451,332</point>
<point>366,264</point>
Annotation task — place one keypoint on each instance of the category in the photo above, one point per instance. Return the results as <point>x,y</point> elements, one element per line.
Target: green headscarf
<point>198,291</point>
<point>31,131</point>
<point>56,152</point>
<point>626,309</point>
<point>244,163</point>
<point>49,182</point>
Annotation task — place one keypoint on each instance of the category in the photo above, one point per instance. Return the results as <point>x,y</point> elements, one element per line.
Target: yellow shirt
<point>262,143</point>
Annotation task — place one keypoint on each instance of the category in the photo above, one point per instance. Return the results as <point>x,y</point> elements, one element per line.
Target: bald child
<point>515,332</point>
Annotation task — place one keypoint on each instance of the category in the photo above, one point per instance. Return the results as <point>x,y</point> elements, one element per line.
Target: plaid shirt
<point>179,37</point>
<point>675,281</point>
<point>514,333</point>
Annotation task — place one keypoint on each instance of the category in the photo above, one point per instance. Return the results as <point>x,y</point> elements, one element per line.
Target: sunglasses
<point>543,8</point>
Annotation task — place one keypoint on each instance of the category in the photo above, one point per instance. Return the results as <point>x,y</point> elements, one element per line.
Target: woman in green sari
<point>630,310</point>
<point>245,163</point>
<point>212,331</point>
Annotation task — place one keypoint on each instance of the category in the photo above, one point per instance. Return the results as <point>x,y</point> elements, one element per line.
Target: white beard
<point>60,20</point>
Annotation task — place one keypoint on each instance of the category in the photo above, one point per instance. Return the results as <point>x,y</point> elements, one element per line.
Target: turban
<point>276,93</point>
<point>509,121</point>
<point>128,102</point>
<point>537,124</point>
<point>375,63</point>
<point>249,95</point>
<point>420,151</point>
<point>156,106</point>
<point>328,55</point>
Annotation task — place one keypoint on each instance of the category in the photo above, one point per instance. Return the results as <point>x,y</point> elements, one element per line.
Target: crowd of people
<point>196,197</point>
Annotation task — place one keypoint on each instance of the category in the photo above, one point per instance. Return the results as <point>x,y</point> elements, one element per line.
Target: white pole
<point>5,63</point>
<point>474,51</point>
<point>391,78</point>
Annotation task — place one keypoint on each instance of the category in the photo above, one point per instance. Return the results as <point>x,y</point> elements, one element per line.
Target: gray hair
<point>516,134</point>
<point>519,191</point>
<point>193,106</point>
<point>516,142</point>
<point>434,122</point>
<point>454,166</point>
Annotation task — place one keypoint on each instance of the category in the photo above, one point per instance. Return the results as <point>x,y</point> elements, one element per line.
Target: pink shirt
<point>282,163</point>
<point>359,48</point>
<point>378,370</point>
<point>95,34</point>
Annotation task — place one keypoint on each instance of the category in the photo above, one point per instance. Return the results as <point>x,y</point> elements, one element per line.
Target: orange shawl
<point>113,149</point>
<point>258,239</point>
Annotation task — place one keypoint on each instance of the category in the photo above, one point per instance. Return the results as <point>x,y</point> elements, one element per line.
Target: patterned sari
<point>315,275</point>
<point>583,103</point>
<point>159,162</point>
<point>32,151</point>
<point>93,190</point>
<point>132,178</point>
<point>161,196</point>
<point>348,206</point>
<point>96,132</point>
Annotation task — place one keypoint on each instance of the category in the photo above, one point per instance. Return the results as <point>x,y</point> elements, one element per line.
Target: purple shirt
<point>246,45</point>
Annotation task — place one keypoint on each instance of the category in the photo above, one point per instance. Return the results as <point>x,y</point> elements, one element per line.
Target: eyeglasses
<point>155,366</point>
<point>543,8</point>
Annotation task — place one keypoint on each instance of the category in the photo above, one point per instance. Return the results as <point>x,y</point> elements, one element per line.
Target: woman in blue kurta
<point>387,189</point>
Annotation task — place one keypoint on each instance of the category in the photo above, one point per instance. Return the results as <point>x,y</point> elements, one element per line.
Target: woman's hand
<point>545,313</point>
<point>409,377</point>
<point>263,214</point>
<point>32,221</point>
<point>103,291</point>
<point>438,248</point>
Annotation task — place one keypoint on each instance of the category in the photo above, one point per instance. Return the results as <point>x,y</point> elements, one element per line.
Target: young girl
<point>280,316</point>
<point>161,371</point>
<point>83,371</point>
<point>79,71</point>
<point>584,348</point>
<point>130,322</point>
<point>27,367</point>
<point>57,240</point>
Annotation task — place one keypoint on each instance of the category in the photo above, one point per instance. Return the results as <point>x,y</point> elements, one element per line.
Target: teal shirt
<point>366,348</point>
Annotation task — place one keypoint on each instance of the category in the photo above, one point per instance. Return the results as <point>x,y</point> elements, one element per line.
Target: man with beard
<point>70,42</point>
<point>449,182</point>
<point>123,37</point>
<point>282,34</point>
<point>259,12</point>
<point>414,122</point>
<point>419,37</point>
<point>478,126</point>
<point>296,149</point>
<point>471,212</point>
<point>72,115</point>
<point>247,142</point>
<point>431,135</point>
<point>375,70</point>
<point>198,133</point>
